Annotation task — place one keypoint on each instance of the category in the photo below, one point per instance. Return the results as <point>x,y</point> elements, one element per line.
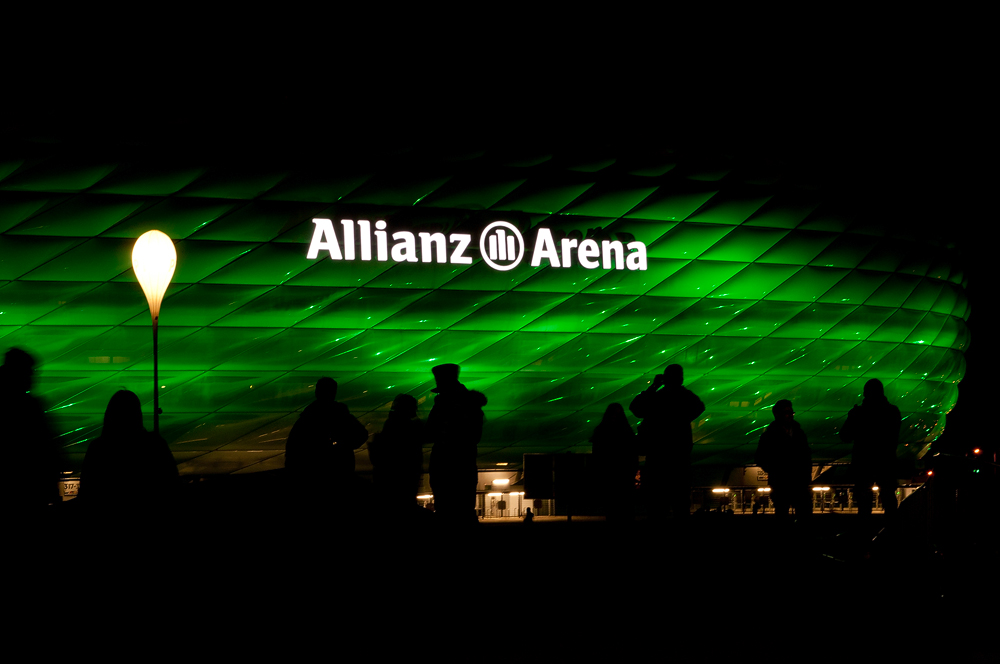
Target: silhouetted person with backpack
<point>873,429</point>
<point>30,453</point>
<point>397,455</point>
<point>616,460</point>
<point>783,453</point>
<point>454,426</point>
<point>321,444</point>
<point>127,467</point>
<point>667,410</point>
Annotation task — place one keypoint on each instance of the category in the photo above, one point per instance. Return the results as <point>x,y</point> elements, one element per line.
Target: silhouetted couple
<point>667,410</point>
<point>321,444</point>
<point>873,429</point>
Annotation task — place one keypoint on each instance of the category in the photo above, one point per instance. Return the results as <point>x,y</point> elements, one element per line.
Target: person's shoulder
<point>340,408</point>
<point>690,395</point>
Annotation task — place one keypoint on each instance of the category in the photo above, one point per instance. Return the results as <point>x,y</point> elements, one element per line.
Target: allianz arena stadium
<point>561,282</point>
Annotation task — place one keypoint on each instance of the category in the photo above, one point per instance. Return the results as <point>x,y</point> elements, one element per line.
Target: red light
<point>976,451</point>
<point>929,473</point>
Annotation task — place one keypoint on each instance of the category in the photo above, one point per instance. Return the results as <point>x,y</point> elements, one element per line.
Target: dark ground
<point>258,571</point>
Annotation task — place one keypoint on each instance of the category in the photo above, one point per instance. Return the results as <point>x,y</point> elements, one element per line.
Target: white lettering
<point>437,240</point>
<point>458,256</point>
<point>567,245</point>
<point>545,247</point>
<point>588,250</point>
<point>348,225</point>
<point>406,249</point>
<point>613,246</point>
<point>636,259</point>
<point>501,245</point>
<point>366,239</point>
<point>324,238</point>
<point>381,243</point>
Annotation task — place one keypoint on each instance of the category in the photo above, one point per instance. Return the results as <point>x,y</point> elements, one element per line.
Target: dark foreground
<point>716,586</point>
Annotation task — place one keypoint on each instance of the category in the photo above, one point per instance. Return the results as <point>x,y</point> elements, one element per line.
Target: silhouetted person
<point>29,450</point>
<point>783,453</point>
<point>397,456</point>
<point>616,459</point>
<point>455,425</point>
<point>321,444</point>
<point>528,515</point>
<point>667,409</point>
<point>873,429</point>
<point>127,466</point>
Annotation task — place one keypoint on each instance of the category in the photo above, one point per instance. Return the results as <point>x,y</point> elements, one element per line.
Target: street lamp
<point>153,261</point>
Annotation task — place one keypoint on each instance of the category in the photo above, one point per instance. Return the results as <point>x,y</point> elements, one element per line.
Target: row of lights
<point>428,496</point>
<point>767,489</point>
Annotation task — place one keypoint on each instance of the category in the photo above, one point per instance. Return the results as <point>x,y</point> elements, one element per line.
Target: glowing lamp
<point>153,261</point>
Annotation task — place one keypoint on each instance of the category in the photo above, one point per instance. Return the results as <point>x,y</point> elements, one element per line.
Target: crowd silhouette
<point>129,466</point>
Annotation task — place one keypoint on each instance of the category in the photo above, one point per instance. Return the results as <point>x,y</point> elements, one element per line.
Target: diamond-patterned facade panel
<point>761,292</point>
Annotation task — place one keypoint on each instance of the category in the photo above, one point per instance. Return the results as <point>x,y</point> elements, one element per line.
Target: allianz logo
<point>501,246</point>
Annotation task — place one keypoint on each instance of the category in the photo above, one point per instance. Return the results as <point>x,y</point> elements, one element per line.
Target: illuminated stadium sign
<point>501,246</point>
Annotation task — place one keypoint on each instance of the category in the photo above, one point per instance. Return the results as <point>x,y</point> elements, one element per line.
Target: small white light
<point>501,482</point>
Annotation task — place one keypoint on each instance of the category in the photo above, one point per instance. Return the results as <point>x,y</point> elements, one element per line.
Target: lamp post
<point>153,261</point>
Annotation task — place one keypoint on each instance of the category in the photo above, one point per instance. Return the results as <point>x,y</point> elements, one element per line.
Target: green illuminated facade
<point>759,288</point>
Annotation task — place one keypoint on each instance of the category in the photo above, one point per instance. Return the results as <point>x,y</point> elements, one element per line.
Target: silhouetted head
<point>783,410</point>
<point>404,405</point>
<point>673,375</point>
<point>326,388</point>
<point>446,376</point>
<point>874,389</point>
<point>614,413</point>
<point>18,367</point>
<point>123,415</point>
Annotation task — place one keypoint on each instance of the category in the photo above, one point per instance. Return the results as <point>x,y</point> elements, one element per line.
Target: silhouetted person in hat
<point>321,444</point>
<point>667,409</point>
<point>31,457</point>
<point>127,466</point>
<point>616,459</point>
<point>397,456</point>
<point>454,426</point>
<point>873,429</point>
<point>783,453</point>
